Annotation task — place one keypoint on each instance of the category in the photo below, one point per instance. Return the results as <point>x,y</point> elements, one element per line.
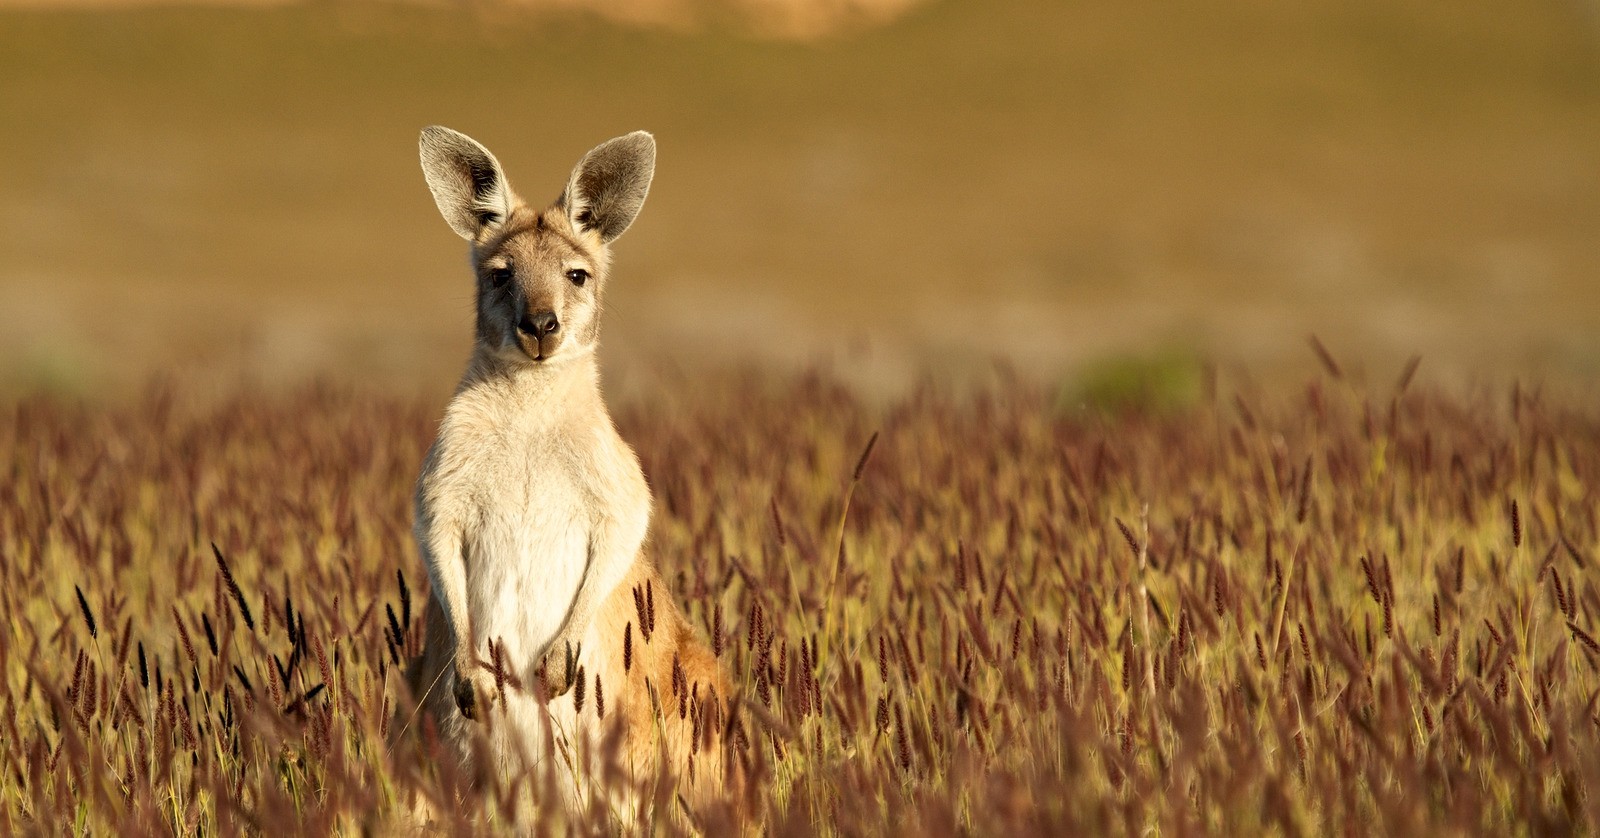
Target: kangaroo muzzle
<point>540,333</point>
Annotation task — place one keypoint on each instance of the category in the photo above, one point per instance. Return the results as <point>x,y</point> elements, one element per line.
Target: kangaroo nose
<point>539,325</point>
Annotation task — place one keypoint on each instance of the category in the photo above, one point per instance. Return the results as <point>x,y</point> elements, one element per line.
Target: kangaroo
<point>531,511</point>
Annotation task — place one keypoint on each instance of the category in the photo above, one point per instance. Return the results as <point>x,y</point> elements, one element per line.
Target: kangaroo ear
<point>465,179</point>
<point>607,188</point>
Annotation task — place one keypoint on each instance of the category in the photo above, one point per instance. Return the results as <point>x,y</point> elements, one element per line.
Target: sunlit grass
<point>1367,608</point>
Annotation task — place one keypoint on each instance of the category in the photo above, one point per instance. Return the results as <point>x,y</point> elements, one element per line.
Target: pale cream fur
<point>531,511</point>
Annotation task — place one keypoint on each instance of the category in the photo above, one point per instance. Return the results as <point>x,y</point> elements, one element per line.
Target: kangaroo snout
<point>539,325</point>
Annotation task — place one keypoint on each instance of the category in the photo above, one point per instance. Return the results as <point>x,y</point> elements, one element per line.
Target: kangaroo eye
<point>578,276</point>
<point>498,277</point>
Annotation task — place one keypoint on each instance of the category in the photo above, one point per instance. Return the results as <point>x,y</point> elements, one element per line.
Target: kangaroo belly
<point>524,566</point>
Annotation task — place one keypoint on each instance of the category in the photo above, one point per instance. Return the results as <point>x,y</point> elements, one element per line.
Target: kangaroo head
<point>540,272</point>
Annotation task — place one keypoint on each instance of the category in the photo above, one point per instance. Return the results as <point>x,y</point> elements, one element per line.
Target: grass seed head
<point>957,555</point>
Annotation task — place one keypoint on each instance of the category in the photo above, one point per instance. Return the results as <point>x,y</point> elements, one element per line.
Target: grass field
<point>1157,570</point>
<point>1337,609</point>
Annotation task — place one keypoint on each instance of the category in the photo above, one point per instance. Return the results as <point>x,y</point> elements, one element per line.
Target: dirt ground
<point>233,191</point>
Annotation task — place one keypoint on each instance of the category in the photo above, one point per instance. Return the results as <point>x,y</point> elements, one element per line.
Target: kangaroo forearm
<point>447,571</point>
<point>609,561</point>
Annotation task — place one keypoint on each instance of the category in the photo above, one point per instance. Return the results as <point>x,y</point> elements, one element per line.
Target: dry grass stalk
<point>975,620</point>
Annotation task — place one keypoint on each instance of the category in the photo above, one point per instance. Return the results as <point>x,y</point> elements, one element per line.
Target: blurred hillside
<point>782,19</point>
<point>235,190</point>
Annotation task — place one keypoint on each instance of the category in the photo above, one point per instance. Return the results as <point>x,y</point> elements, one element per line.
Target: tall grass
<point>1340,609</point>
